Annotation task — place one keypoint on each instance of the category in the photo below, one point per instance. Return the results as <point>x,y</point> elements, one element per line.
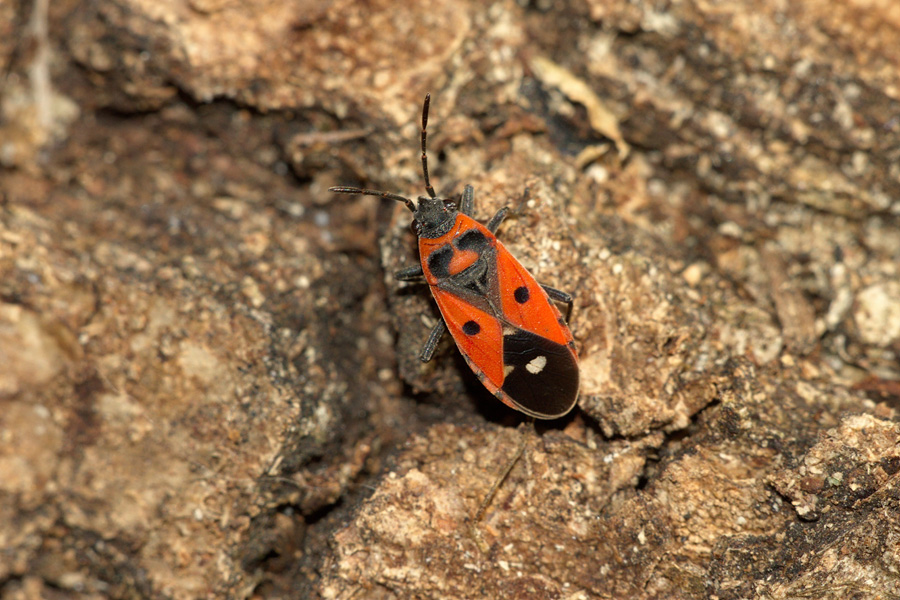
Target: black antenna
<point>388,195</point>
<point>428,187</point>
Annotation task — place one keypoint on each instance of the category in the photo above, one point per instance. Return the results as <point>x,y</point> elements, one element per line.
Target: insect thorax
<point>433,217</point>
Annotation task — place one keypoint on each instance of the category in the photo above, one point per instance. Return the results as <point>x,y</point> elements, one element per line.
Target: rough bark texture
<point>209,384</point>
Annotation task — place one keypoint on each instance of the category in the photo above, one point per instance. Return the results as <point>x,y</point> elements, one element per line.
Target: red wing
<point>525,303</point>
<point>478,335</point>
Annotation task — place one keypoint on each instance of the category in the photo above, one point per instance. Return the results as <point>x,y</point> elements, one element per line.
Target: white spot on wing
<point>536,364</point>
<point>507,369</point>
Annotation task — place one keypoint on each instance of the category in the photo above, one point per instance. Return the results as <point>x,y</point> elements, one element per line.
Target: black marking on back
<point>471,328</point>
<point>549,393</point>
<point>472,240</point>
<point>474,279</point>
<point>522,295</point>
<point>480,277</point>
<point>439,262</point>
<point>476,284</point>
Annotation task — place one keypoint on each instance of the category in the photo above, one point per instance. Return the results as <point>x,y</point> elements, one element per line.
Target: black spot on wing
<point>472,240</point>
<point>522,295</point>
<point>471,328</point>
<point>439,262</point>
<point>543,380</point>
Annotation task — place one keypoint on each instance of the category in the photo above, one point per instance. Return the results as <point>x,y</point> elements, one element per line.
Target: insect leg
<point>410,273</point>
<point>432,341</point>
<point>413,273</point>
<point>467,204</point>
<point>495,221</point>
<point>560,296</point>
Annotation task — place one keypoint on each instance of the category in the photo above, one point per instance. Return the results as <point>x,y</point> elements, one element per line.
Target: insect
<point>502,320</point>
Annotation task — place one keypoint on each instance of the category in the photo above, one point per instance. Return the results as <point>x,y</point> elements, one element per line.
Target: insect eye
<point>450,205</point>
<point>415,227</point>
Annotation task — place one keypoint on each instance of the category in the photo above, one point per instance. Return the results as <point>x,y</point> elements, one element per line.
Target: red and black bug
<point>503,321</point>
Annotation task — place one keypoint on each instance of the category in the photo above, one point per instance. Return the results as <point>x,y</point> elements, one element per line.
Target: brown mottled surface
<point>208,377</point>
